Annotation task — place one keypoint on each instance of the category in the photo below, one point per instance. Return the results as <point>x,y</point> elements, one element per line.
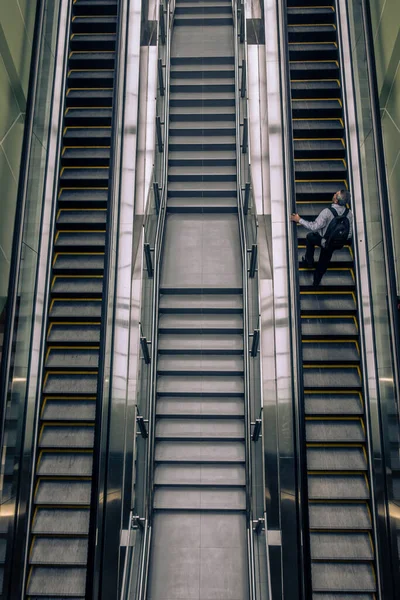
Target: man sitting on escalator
<point>330,231</point>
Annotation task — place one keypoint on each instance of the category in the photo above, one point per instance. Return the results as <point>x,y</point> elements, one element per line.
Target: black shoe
<point>304,264</point>
<point>316,281</point>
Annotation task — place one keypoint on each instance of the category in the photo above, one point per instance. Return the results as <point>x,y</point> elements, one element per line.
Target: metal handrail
<point>294,316</point>
<point>142,583</point>
<point>239,36</point>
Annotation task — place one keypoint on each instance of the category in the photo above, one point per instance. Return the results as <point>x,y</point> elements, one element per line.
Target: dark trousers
<point>314,239</point>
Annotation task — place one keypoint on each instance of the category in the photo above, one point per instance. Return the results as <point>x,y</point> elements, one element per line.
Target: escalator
<point>199,522</point>
<point>58,544</point>
<point>338,471</point>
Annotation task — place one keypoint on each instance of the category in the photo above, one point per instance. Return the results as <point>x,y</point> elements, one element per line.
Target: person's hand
<point>295,217</point>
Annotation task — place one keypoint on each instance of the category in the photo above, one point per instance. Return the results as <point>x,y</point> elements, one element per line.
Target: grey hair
<point>343,197</point>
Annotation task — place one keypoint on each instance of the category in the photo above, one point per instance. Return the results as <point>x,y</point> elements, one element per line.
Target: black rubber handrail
<point>299,428</point>
<point>95,538</point>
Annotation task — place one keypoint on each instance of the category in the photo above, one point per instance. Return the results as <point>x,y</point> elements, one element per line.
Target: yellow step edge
<point>304,61</point>
<point>63,478</point>
<point>339,472</point>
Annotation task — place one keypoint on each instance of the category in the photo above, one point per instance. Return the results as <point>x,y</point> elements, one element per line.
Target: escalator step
<point>204,451</point>
<point>341,546</point>
<point>207,344</point>
<point>199,407</point>
<point>87,241</point>
<point>323,304</point>
<point>183,365</point>
<point>339,516</point>
<point>199,21</point>
<point>205,100</point>
<point>95,157</point>
<point>87,136</point>
<point>330,352</point>
<point>334,279</point>
<point>63,582</point>
<point>323,108</point>
<point>90,78</point>
<point>310,51</point>
<point>332,378</point>
<point>202,72</point>
<point>205,87</point>
<point>93,24</point>
<point>316,69</point>
<point>317,127</point>
<point>337,430</point>
<point>67,436</point>
<point>343,577</point>
<point>75,310</point>
<point>216,475</point>
<point>312,33</point>
<point>74,333</point>
<point>79,59</point>
<point>61,521</point>
<point>322,458</point>
<point>202,304</point>
<point>94,198</point>
<point>78,97</point>
<point>72,287</point>
<point>58,551</point>
<point>65,464</point>
<point>93,42</point>
<point>206,9</point>
<point>99,7</point>
<point>192,498</point>
<point>88,116</point>
<point>338,487</point>
<point>340,258</point>
<point>83,219</point>
<point>200,324</point>
<point>199,428</point>
<point>317,148</point>
<point>320,169</point>
<point>325,327</point>
<point>320,191</point>
<point>201,386</point>
<point>72,358</point>
<point>63,491</point>
<point>63,382</point>
<point>62,410</point>
<point>310,15</point>
<point>304,90</point>
<point>65,263</point>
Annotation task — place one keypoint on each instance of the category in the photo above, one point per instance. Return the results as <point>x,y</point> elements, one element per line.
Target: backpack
<point>338,230</point>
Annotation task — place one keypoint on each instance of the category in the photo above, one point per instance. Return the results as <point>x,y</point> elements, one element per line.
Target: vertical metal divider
<point>104,405</point>
<point>304,568</point>
<point>373,420</point>
<point>144,568</point>
<point>238,37</point>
